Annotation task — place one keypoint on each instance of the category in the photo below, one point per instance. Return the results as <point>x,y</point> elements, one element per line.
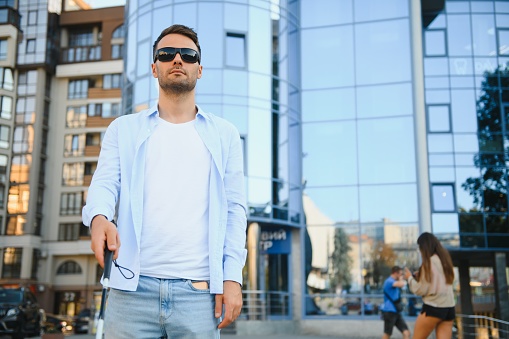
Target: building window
<point>11,265</point>
<point>15,224</point>
<point>3,49</point>
<point>74,145</point>
<point>443,198</point>
<point>76,116</point>
<point>73,231</point>
<point>5,107</point>
<point>118,33</point>
<point>81,37</point>
<point>117,42</point>
<point>93,139</point>
<point>235,50</point>
<point>105,110</point>
<point>90,168</point>
<point>23,139</point>
<point>3,179</point>
<point>73,174</point>
<point>69,267</point>
<point>30,46</point>
<point>71,203</point>
<point>7,3</point>
<point>112,81</point>
<point>20,168</point>
<point>17,203</point>
<point>116,51</point>
<point>6,79</point>
<point>503,41</point>
<point>439,118</point>
<point>78,89</point>
<point>435,43</point>
<point>32,18</point>
<point>36,254</point>
<point>25,110</point>
<point>4,136</point>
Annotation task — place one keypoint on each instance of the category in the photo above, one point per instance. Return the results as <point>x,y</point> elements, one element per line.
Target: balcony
<point>98,122</point>
<point>100,93</point>
<point>80,54</point>
<point>92,150</point>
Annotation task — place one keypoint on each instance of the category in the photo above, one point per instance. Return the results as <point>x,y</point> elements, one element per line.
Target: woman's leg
<point>424,326</point>
<point>444,330</point>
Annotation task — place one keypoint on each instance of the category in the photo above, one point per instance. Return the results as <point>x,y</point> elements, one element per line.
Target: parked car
<point>20,314</point>
<point>57,323</point>
<point>82,321</point>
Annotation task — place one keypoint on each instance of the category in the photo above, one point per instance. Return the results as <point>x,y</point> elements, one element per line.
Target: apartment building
<point>66,88</point>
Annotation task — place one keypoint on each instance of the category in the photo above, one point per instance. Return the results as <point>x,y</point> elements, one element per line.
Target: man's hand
<point>232,301</point>
<point>407,273</point>
<point>103,232</point>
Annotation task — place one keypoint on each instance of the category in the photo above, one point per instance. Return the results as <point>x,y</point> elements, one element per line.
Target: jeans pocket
<point>199,285</point>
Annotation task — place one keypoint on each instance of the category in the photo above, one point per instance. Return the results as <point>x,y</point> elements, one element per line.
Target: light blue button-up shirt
<point>119,179</point>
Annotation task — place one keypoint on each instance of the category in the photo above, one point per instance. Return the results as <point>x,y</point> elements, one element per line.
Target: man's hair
<point>177,29</point>
<point>395,269</point>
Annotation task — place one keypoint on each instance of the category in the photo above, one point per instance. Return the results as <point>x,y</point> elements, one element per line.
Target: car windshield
<point>10,296</point>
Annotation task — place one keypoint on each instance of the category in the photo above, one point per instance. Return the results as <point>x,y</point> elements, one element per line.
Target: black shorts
<point>393,319</point>
<point>444,313</point>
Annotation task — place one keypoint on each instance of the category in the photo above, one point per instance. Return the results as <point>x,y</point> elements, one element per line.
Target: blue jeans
<point>161,308</point>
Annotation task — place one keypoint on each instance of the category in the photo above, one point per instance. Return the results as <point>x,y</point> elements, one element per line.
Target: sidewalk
<point>230,336</point>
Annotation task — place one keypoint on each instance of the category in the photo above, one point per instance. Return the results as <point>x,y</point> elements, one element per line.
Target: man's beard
<point>176,87</point>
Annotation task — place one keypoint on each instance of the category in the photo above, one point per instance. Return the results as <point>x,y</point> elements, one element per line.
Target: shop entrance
<point>267,289</point>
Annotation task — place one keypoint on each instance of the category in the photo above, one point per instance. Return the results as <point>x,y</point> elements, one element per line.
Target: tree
<point>383,258</point>
<point>489,190</point>
<point>341,262</point>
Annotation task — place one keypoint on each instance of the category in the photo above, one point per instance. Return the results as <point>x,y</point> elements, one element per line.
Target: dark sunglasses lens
<point>189,55</point>
<point>166,54</point>
<point>169,53</point>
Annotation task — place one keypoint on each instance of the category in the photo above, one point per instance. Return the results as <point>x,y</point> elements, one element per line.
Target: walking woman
<point>433,281</point>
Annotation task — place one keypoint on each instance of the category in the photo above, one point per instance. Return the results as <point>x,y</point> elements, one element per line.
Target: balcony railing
<point>480,327</point>
<point>263,305</point>
<point>80,54</point>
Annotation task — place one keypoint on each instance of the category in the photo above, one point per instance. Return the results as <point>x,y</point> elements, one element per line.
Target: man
<point>176,174</point>
<point>392,296</point>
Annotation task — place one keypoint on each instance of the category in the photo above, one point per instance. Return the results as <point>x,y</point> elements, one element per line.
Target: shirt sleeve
<point>418,287</point>
<point>234,252</point>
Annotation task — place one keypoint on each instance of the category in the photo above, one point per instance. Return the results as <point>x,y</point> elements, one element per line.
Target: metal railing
<point>480,327</point>
<point>263,305</point>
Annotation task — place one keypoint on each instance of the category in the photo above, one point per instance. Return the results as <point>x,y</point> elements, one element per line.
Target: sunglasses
<point>166,54</point>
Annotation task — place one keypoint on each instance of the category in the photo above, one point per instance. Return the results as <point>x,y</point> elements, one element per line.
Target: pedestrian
<point>433,281</point>
<point>174,174</point>
<point>392,307</point>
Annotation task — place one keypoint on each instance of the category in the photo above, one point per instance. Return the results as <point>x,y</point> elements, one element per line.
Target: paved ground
<point>229,336</point>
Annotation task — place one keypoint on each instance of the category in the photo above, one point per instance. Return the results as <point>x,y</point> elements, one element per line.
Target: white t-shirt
<point>174,236</point>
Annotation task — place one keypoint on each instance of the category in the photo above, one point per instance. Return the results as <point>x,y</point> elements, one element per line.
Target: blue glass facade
<point>364,123</point>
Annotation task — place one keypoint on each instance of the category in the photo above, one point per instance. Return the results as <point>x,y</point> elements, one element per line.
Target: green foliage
<point>341,261</point>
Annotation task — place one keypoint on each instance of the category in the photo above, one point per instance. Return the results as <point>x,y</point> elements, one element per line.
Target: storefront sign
<point>275,241</point>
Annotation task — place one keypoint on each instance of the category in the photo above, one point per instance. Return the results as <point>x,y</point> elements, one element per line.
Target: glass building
<point>364,124</point>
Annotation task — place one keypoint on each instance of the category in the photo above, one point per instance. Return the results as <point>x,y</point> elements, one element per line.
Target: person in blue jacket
<point>391,308</point>
<point>172,177</point>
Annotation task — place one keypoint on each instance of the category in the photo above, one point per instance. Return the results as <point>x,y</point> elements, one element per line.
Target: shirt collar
<point>154,111</point>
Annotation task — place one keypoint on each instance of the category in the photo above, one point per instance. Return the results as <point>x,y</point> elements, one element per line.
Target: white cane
<point>108,258</point>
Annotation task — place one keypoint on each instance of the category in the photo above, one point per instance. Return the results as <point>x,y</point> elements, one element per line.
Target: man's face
<point>176,76</point>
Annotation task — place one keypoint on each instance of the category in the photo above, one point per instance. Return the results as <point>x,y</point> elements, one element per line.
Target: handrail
<point>480,326</point>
